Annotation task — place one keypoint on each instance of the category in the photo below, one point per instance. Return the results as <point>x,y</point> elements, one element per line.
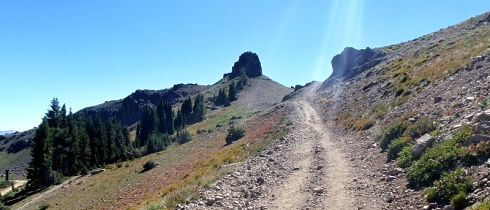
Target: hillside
<point>178,174</point>
<point>399,127</point>
<point>442,77</point>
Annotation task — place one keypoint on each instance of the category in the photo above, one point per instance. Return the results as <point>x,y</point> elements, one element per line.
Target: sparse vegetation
<point>234,133</point>
<point>452,187</point>
<point>148,166</point>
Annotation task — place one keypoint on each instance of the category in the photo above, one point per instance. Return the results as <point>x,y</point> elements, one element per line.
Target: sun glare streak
<point>345,17</point>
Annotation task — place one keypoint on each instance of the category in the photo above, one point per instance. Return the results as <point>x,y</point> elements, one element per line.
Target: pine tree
<point>52,115</point>
<point>232,92</point>
<point>149,124</point>
<point>162,116</point>
<point>39,171</point>
<point>199,109</point>
<point>169,113</point>
<point>186,108</point>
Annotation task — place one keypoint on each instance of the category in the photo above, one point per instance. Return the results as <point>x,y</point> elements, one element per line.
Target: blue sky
<point>88,52</point>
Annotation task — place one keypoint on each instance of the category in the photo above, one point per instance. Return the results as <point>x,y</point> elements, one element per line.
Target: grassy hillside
<point>181,169</point>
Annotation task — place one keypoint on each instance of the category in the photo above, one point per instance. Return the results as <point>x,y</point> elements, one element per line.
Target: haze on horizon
<point>85,53</point>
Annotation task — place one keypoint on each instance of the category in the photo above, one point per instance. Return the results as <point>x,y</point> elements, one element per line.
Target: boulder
<point>481,117</point>
<point>437,99</point>
<point>423,142</point>
<point>476,138</point>
<point>481,127</point>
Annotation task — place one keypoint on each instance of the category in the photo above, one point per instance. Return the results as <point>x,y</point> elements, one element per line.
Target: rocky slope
<point>443,76</point>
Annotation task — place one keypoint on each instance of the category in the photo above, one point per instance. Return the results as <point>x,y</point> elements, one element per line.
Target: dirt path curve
<point>321,181</point>
<point>17,183</point>
<point>48,192</point>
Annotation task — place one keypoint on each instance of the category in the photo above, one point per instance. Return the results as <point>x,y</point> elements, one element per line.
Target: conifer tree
<point>199,108</point>
<point>232,92</point>
<point>39,170</point>
<point>186,108</point>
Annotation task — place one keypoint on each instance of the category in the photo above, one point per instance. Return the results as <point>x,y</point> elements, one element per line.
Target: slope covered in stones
<point>440,79</point>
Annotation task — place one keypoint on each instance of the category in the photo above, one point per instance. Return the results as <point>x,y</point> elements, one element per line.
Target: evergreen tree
<point>83,145</point>
<point>232,92</point>
<point>186,108</point>
<point>149,124</point>
<point>52,115</point>
<point>39,171</point>
<point>72,147</point>
<point>169,113</point>
<point>162,116</point>
<point>199,109</point>
<point>222,98</point>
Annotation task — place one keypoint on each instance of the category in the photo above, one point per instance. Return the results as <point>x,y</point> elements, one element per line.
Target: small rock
<point>260,180</point>
<point>388,198</point>
<point>394,172</point>
<point>210,202</point>
<point>318,190</point>
<point>448,207</point>
<point>437,99</point>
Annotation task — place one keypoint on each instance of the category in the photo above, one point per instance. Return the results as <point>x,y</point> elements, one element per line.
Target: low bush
<point>438,159</point>
<point>452,187</point>
<point>149,165</point>
<point>405,158</point>
<point>459,201</point>
<point>396,147</point>
<point>234,133</point>
<point>421,127</point>
<point>393,131</point>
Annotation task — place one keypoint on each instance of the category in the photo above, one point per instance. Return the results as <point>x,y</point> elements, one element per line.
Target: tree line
<point>224,98</point>
<point>66,144</point>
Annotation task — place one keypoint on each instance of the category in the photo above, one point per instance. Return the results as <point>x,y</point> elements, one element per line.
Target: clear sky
<point>88,52</point>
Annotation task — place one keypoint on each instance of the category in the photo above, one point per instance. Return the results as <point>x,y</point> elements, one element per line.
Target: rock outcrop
<point>130,109</point>
<point>352,62</point>
<point>249,63</point>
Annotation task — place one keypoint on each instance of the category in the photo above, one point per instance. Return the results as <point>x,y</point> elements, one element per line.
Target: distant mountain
<point>7,132</point>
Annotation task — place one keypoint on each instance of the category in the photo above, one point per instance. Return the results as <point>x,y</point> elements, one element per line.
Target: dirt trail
<point>324,172</point>
<point>17,183</point>
<point>48,192</point>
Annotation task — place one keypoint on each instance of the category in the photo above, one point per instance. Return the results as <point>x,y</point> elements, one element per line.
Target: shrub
<point>451,187</point>
<point>149,165</point>
<point>405,157</point>
<point>234,133</point>
<point>395,147</point>
<point>183,136</point>
<point>430,166</point>
<point>393,131</point>
<point>459,201</point>
<point>437,160</point>
<point>369,123</point>
<point>399,91</point>
<point>3,207</point>
<point>421,127</point>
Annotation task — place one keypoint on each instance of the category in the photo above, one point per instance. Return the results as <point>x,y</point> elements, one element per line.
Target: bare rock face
<point>352,62</point>
<point>249,63</point>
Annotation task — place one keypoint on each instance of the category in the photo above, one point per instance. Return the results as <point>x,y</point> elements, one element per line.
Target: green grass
<point>218,118</point>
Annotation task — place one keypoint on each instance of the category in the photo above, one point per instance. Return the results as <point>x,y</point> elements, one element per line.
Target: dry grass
<point>178,174</point>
